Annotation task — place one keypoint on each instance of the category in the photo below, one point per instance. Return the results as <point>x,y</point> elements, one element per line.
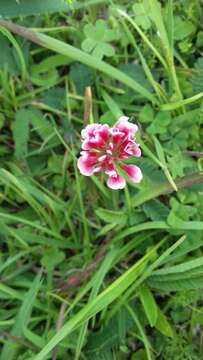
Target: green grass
<point>88,272</point>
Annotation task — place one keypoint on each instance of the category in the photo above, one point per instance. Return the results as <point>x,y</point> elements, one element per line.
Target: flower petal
<point>86,165</point>
<point>133,172</point>
<point>89,131</point>
<point>102,147</point>
<point>104,132</point>
<point>116,182</point>
<point>125,126</point>
<point>117,135</point>
<point>111,171</point>
<point>95,136</point>
<point>132,149</point>
<point>95,143</point>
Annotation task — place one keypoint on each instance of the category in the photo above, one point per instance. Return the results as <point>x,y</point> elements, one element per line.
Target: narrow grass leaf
<point>146,343</point>
<point>18,50</point>
<point>177,285</point>
<point>99,303</point>
<point>112,105</point>
<point>188,265</point>
<point>96,284</point>
<point>10,349</point>
<point>77,55</point>
<point>21,134</point>
<point>163,325</point>
<point>149,304</point>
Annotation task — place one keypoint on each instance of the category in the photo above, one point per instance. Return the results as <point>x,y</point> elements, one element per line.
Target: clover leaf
<point>160,123</point>
<point>146,114</point>
<point>182,28</point>
<point>97,40</point>
<point>177,162</point>
<point>142,12</point>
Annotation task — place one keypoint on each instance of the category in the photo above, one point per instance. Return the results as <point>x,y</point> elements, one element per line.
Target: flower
<point>104,148</point>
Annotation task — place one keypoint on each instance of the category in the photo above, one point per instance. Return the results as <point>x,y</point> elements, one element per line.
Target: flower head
<point>104,148</point>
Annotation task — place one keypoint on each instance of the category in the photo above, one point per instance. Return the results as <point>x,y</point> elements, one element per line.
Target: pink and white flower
<point>104,148</point>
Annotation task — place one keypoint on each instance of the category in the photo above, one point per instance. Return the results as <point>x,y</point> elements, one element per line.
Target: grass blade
<point>77,55</point>
<point>9,350</point>
<point>116,289</point>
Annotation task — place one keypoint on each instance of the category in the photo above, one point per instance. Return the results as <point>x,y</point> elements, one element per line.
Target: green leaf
<point>52,257</point>
<point>97,39</point>
<point>146,114</point>
<point>144,338</point>
<point>177,285</point>
<point>7,58</point>
<point>139,355</point>
<point>23,119</point>
<point>186,266</point>
<point>175,222</point>
<point>99,342</point>
<point>77,55</point>
<point>185,275</point>
<point>183,212</point>
<point>106,297</point>
<point>2,121</point>
<point>197,78</point>
<point>22,319</point>
<point>160,123</point>
<point>157,18</point>
<point>163,325</point>
<point>21,133</point>
<point>169,21</point>
<point>109,216</point>
<point>159,151</point>
<point>178,277</point>
<point>136,72</point>
<point>199,41</point>
<point>36,7</point>
<point>142,17</point>
<point>155,189</point>
<point>112,105</point>
<point>45,78</point>
<point>20,220</point>
<point>177,157</point>
<point>54,98</point>
<point>97,281</point>
<point>182,28</point>
<point>156,210</point>
<point>35,339</point>
<point>41,125</point>
<point>193,241</point>
<point>82,76</point>
<point>149,305</point>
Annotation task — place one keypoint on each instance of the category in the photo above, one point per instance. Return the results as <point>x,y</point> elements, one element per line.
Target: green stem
<point>144,37</point>
<point>180,103</point>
